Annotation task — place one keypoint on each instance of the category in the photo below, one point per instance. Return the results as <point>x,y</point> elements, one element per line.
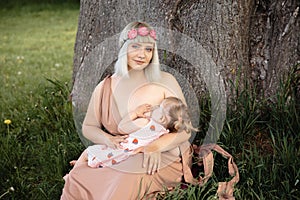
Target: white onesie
<point>103,156</point>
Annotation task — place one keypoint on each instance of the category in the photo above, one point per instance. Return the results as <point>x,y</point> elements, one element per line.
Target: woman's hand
<point>152,159</point>
<point>115,141</point>
<point>152,152</point>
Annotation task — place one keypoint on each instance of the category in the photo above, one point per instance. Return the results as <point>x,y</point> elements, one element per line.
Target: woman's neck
<point>136,74</point>
<point>135,79</point>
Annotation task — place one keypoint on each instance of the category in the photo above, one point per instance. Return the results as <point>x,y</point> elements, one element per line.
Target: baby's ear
<point>177,125</point>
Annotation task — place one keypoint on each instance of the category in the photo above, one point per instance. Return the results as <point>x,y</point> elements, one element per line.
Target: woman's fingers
<point>120,140</point>
<point>152,162</point>
<point>138,150</point>
<point>158,162</point>
<point>151,165</point>
<point>156,159</point>
<point>116,140</point>
<point>145,161</point>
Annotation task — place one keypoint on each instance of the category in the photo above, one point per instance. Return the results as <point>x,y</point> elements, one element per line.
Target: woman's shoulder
<point>171,83</point>
<point>167,78</point>
<point>167,75</point>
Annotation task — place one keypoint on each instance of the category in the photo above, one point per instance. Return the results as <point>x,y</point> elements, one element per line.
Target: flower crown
<point>142,31</point>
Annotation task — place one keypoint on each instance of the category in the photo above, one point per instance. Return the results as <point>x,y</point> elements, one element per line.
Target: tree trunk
<point>257,41</point>
<point>274,42</point>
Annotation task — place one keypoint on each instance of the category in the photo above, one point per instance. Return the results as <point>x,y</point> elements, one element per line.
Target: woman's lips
<point>139,62</point>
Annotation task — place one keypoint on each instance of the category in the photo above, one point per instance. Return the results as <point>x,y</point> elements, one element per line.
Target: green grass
<point>36,44</point>
<point>36,55</point>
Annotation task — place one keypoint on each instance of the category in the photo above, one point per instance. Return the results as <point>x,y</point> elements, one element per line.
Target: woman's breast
<point>149,94</point>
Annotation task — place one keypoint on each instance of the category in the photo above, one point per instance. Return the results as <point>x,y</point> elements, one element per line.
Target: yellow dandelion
<point>7,121</point>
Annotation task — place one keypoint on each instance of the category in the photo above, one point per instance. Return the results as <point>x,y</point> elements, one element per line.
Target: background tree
<point>257,41</point>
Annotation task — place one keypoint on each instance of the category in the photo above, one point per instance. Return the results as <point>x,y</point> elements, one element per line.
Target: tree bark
<point>274,42</point>
<point>257,41</point>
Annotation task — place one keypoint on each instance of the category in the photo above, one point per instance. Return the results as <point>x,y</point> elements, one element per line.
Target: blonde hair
<point>176,116</point>
<point>152,71</point>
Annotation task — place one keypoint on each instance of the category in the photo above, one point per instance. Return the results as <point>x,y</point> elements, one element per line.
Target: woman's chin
<point>139,67</point>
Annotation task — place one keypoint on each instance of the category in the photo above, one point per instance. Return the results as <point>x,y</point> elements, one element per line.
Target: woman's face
<point>139,55</point>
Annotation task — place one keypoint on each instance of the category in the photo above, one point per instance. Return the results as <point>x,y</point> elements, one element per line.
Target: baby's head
<point>173,114</point>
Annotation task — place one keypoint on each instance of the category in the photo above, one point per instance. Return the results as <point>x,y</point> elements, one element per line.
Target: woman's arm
<point>91,127</point>
<point>152,152</point>
<point>167,142</point>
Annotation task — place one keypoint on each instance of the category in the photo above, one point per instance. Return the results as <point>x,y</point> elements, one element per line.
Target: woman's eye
<point>148,49</point>
<point>135,46</point>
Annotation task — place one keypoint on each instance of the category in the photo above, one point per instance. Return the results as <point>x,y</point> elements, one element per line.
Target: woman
<point>161,164</point>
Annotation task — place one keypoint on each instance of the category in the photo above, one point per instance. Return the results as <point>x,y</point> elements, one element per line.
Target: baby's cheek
<point>156,114</point>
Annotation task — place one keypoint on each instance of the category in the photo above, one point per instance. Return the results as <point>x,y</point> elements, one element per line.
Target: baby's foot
<point>73,162</point>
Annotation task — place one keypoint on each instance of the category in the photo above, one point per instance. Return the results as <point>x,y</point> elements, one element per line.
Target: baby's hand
<point>142,109</point>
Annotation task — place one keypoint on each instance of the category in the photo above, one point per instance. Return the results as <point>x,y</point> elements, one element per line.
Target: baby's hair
<point>177,115</point>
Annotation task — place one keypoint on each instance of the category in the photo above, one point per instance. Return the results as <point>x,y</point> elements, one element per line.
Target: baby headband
<point>142,31</point>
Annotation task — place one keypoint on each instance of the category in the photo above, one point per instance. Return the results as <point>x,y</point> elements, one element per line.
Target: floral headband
<point>142,31</point>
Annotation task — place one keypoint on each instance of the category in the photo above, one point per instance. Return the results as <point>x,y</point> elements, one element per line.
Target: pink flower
<point>143,31</point>
<point>153,34</point>
<point>132,34</point>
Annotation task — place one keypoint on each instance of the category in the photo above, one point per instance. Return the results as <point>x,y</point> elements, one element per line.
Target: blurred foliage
<point>11,4</point>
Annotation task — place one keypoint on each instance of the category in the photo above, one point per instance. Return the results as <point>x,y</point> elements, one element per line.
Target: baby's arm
<point>134,120</point>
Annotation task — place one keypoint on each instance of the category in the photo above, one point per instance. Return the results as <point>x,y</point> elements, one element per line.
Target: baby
<point>144,125</point>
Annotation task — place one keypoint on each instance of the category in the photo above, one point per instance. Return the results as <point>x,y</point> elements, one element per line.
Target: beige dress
<point>127,180</point>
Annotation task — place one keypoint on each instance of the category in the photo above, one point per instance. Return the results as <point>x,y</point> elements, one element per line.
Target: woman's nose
<point>141,53</point>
